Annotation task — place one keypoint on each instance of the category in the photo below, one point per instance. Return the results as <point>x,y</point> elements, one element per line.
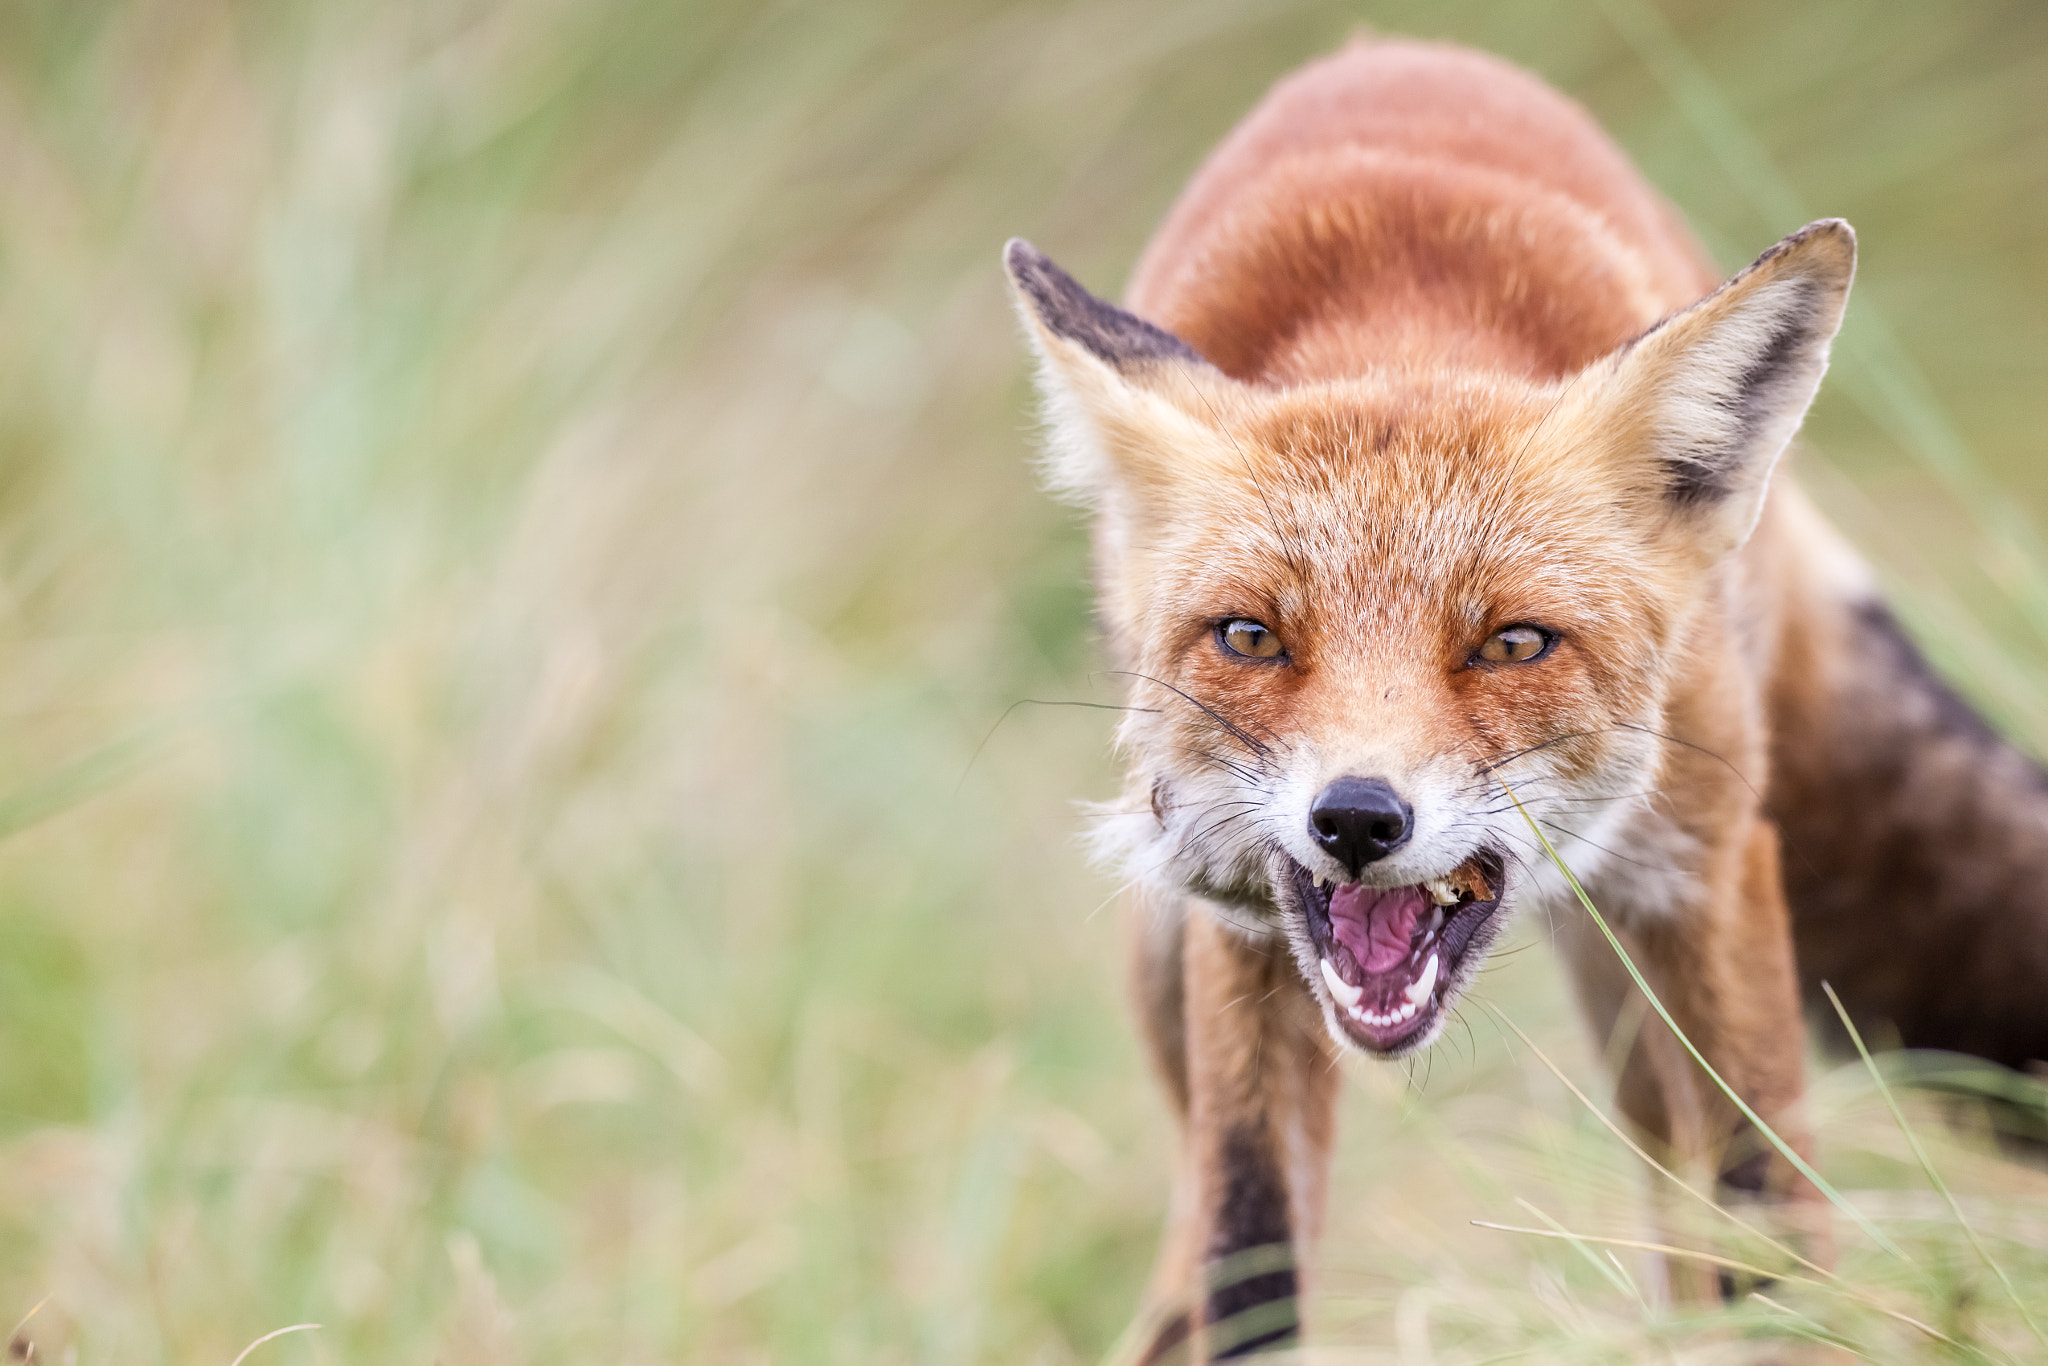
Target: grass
<point>516,562</point>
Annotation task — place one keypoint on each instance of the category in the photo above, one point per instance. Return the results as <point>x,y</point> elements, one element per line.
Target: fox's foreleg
<point>1724,968</point>
<point>1245,1057</point>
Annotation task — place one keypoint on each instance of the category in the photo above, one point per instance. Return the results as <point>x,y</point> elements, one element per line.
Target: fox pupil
<point>1514,645</point>
<point>1249,638</point>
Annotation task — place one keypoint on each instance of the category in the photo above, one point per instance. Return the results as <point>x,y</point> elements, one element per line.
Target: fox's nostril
<point>1360,820</point>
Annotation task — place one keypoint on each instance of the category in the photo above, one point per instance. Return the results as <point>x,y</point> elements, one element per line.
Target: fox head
<point>1370,622</point>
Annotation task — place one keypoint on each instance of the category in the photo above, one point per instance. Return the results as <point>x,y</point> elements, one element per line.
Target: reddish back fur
<point>1420,202</point>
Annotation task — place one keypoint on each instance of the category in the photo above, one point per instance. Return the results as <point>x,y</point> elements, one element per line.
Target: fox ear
<point>1712,395</point>
<point>1124,399</point>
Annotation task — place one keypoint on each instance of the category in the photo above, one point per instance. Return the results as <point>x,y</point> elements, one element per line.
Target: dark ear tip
<point>1063,307</point>
<point>1827,234</point>
<point>1825,247</point>
<point>1020,259</point>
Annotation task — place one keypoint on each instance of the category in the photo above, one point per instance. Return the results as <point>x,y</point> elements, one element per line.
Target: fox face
<point>1375,626</point>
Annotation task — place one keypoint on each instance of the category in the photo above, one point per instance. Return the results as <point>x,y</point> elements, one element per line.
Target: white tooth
<point>1319,880</point>
<point>1436,922</point>
<point>1441,891</point>
<point>1381,1021</point>
<point>1346,995</point>
<point>1419,991</point>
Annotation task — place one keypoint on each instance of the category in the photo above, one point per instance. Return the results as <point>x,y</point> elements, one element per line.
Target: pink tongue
<point>1376,924</point>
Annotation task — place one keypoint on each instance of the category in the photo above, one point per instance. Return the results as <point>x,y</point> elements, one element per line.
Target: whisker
<point>1611,853</point>
<point>1236,770</point>
<point>1505,760</point>
<point>1106,812</point>
<point>1243,736</point>
<point>1032,702</point>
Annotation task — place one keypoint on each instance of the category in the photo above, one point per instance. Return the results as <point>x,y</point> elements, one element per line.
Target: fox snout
<point>1357,821</point>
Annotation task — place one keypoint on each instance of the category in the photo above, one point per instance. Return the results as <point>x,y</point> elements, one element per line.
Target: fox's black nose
<point>1360,821</point>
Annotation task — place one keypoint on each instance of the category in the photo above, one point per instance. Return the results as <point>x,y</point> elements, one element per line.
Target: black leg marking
<point>1251,1276</point>
<point>1750,1176</point>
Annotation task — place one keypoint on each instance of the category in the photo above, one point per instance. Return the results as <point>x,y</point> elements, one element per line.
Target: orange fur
<point>1418,359</point>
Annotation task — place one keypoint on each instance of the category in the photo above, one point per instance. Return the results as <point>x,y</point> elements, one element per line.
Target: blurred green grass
<point>516,557</point>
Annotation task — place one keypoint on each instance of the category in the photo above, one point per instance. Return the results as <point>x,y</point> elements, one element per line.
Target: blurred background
<point>517,559</point>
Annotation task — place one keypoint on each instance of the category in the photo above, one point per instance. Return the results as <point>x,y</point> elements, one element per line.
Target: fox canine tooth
<point>1319,880</point>
<point>1347,995</point>
<point>1419,990</point>
<point>1441,891</point>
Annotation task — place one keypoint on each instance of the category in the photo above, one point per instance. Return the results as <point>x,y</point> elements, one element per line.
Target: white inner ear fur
<point>1700,410</point>
<point>1128,441</point>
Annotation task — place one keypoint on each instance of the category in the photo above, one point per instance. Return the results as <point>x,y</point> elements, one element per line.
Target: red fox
<point>1433,471</point>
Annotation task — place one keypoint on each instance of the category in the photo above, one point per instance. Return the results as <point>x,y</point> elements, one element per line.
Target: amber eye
<point>1242,636</point>
<point>1516,644</point>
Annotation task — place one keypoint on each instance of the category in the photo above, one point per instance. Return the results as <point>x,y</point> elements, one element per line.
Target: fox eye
<point>1517,644</point>
<point>1243,636</point>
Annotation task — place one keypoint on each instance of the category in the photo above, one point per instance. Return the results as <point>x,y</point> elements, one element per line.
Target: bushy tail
<point>1915,847</point>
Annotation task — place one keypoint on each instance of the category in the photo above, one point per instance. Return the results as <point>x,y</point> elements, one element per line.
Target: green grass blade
<point>1782,1248</point>
<point>1731,1264</point>
<point>1799,1164</point>
<point>1927,1165</point>
<point>1613,1275</point>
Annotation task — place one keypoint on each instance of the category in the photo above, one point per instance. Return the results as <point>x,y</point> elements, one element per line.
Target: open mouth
<point>1390,956</point>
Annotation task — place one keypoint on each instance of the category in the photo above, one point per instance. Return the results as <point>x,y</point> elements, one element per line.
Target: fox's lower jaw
<point>1390,960</point>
